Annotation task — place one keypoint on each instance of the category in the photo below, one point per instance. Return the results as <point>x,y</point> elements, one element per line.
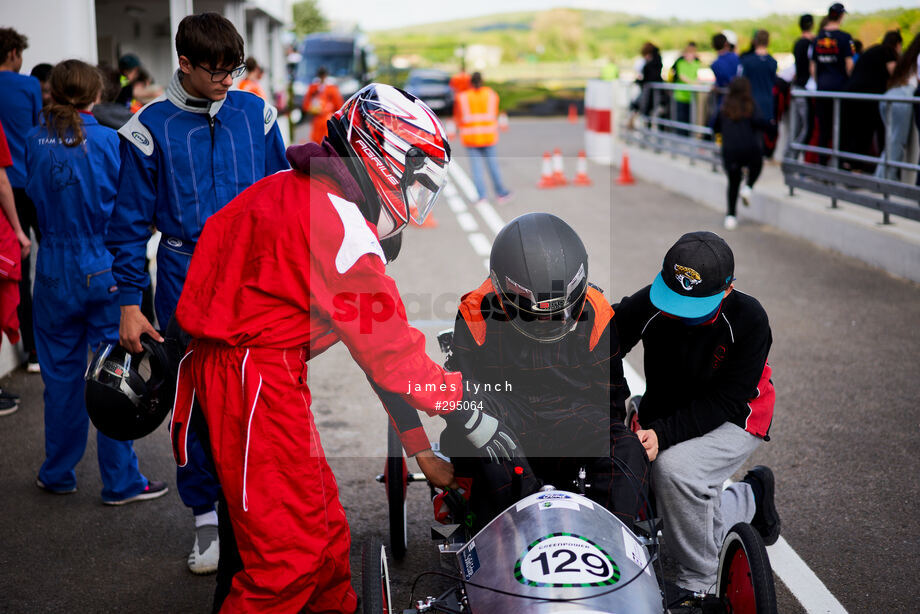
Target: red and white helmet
<point>401,147</point>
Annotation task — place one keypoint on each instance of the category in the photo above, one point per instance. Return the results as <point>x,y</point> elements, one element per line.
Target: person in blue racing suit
<point>184,156</point>
<point>72,165</point>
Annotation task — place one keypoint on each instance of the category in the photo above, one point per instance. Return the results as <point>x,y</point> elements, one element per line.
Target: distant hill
<point>566,35</point>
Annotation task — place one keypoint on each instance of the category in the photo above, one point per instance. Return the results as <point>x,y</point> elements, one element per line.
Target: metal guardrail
<point>858,188</point>
<point>658,130</point>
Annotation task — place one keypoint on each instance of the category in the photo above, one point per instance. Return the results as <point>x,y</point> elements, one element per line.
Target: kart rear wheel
<point>375,578</point>
<point>396,475</point>
<point>745,578</point>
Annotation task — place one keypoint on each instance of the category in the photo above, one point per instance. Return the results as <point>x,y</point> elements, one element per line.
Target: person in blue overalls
<point>184,156</point>
<point>72,164</point>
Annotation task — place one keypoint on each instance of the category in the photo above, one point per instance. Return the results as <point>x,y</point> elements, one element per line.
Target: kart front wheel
<point>745,578</point>
<point>375,579</point>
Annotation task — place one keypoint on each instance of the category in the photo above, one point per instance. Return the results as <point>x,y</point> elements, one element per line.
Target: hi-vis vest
<point>477,117</point>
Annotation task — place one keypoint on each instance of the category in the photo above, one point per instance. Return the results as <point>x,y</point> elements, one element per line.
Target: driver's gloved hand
<point>484,432</point>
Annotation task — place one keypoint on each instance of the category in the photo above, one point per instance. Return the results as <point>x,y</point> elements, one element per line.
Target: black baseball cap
<point>836,10</point>
<point>694,275</point>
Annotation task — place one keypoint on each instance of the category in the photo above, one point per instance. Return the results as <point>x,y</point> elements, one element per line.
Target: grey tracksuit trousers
<point>696,512</point>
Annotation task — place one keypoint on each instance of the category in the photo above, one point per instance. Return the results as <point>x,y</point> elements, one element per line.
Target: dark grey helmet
<point>539,270</point>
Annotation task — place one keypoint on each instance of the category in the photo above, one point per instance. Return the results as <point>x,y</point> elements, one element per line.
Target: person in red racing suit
<point>273,282</point>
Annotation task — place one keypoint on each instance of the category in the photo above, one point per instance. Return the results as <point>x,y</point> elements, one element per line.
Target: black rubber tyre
<point>375,580</point>
<point>745,578</point>
<point>395,477</point>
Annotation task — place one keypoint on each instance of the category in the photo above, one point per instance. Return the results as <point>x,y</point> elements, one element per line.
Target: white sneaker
<point>730,222</point>
<point>204,556</point>
<point>745,194</point>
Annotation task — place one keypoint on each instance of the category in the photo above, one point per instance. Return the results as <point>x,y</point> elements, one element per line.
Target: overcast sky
<point>385,14</point>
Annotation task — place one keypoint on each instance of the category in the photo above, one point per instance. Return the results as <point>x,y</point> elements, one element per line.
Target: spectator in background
<point>759,68</point>
<point>649,73</point>
<point>831,65</point>
<point>20,106</point>
<point>725,66</point>
<point>685,70</point>
<point>72,173</point>
<point>476,114</point>
<point>108,112</point>
<point>865,132</point>
<point>803,108</point>
<point>14,246</point>
<point>129,66</point>
<point>857,49</point>
<point>741,125</point>
<point>321,101</point>
<point>42,72</point>
<point>903,82</point>
<point>254,74</point>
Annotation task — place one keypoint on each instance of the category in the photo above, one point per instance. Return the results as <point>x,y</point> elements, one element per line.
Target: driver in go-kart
<point>538,338</point>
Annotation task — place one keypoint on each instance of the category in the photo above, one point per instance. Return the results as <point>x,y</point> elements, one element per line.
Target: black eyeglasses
<point>219,75</point>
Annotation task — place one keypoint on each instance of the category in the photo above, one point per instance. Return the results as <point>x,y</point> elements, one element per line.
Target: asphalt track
<point>844,439</point>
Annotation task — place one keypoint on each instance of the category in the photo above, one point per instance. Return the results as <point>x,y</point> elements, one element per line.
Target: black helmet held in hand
<point>128,395</point>
<point>539,271</point>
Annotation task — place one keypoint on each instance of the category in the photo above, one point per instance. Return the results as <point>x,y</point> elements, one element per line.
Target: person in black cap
<point>831,65</point>
<point>708,401</point>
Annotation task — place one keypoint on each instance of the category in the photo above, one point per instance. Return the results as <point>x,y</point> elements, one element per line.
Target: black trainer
<point>153,490</point>
<point>766,519</point>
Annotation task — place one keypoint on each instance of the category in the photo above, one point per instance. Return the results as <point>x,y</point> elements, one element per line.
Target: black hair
<point>892,38</point>
<point>41,71</point>
<point>476,80</point>
<point>209,38</point>
<point>719,41</point>
<point>806,22</point>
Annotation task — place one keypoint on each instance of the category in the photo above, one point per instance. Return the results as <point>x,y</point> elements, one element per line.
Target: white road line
<point>467,222</point>
<point>492,219</point>
<point>480,244</point>
<point>463,181</point>
<point>802,581</point>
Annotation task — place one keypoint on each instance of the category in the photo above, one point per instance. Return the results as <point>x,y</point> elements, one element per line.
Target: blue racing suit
<point>76,300</point>
<point>183,159</point>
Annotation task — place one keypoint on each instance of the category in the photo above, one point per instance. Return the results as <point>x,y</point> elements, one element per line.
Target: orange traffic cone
<point>503,122</point>
<point>558,176</point>
<point>625,177</point>
<point>581,177</point>
<point>546,172</point>
<point>573,114</point>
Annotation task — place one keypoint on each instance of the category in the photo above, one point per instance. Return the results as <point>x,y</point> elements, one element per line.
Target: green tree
<point>308,18</point>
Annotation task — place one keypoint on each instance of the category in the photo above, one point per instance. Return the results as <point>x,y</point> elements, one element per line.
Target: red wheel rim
<point>739,587</point>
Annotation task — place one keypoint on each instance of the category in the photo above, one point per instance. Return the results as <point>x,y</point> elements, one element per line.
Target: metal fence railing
<point>657,126</point>
<point>876,191</point>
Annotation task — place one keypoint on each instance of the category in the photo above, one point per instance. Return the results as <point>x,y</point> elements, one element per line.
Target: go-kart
<point>556,551</point>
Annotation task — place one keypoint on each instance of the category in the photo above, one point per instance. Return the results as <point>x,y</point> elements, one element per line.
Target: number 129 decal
<point>566,560</point>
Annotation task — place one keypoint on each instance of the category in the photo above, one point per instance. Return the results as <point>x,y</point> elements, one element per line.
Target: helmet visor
<point>422,182</point>
<point>113,369</point>
<point>543,318</point>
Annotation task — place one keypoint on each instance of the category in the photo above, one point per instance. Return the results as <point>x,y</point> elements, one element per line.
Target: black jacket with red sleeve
<point>699,377</point>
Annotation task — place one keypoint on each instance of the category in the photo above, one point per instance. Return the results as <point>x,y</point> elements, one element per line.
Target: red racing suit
<point>280,274</point>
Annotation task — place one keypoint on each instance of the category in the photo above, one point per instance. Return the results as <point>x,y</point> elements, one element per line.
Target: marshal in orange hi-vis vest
<point>476,114</point>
